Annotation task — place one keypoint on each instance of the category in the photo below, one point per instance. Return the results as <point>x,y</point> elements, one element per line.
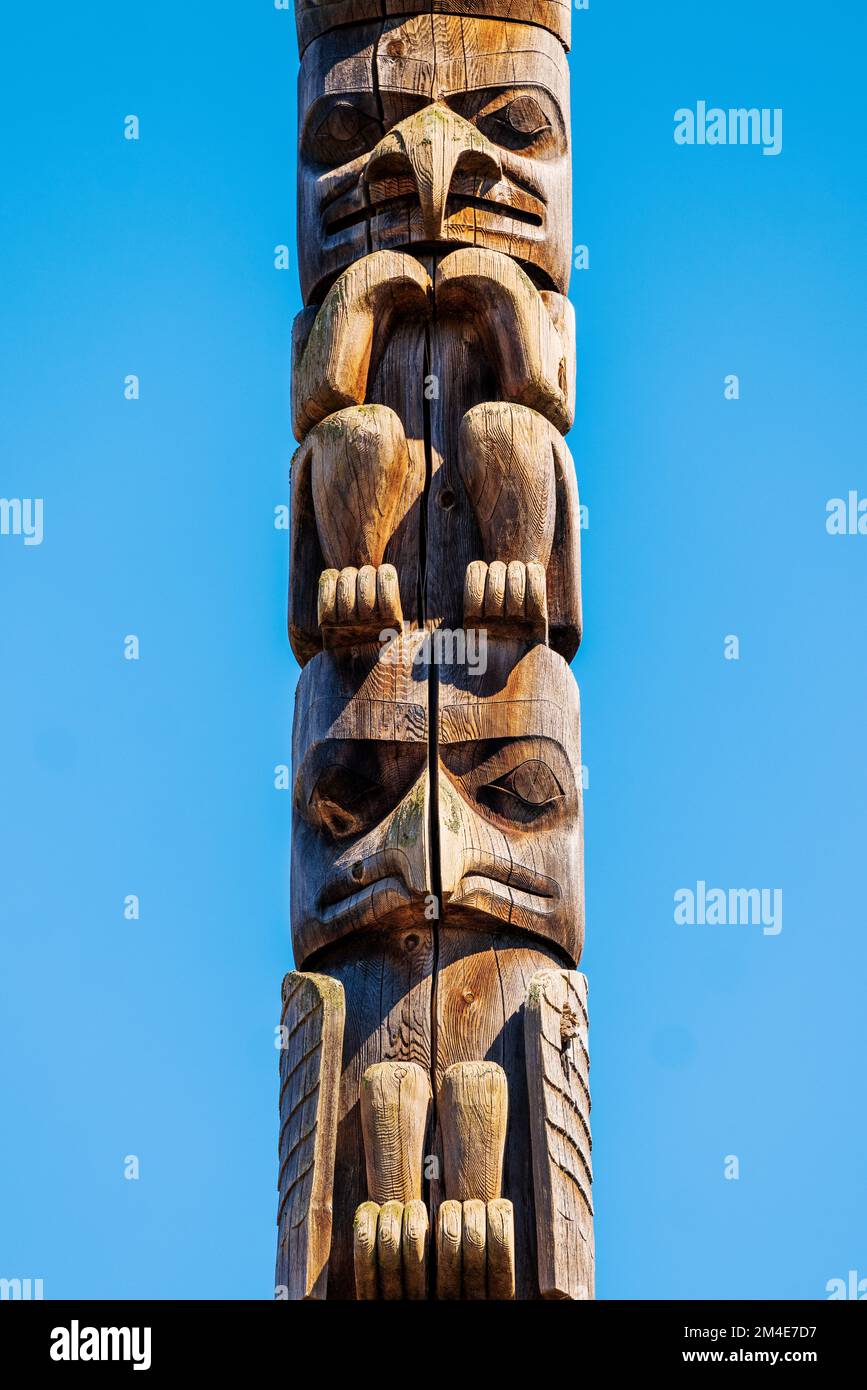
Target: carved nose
<point>431,147</point>
<point>451,838</point>
<point>407,841</point>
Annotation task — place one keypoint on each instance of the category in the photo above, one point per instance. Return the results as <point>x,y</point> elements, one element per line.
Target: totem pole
<point>434,1103</point>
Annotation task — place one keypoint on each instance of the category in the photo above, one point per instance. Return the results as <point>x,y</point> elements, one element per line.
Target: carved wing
<point>310,1063</point>
<point>558,1062</point>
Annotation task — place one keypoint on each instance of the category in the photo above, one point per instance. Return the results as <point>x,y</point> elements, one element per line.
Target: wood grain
<point>437,1055</point>
<point>395,1102</point>
<point>474,1106</point>
<point>310,1063</point>
<point>315,17</point>
<point>558,1084</point>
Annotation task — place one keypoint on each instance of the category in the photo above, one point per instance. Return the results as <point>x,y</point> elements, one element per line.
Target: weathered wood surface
<point>391,1229</point>
<point>437,811</point>
<point>318,16</point>
<point>310,1066</point>
<point>508,82</point>
<point>476,370</point>
<point>475,1225</point>
<point>511,822</point>
<point>558,1081</point>
<point>395,1103</point>
<point>474,1101</point>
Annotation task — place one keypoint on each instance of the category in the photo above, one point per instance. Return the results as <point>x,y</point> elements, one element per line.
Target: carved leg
<point>390,1232</point>
<point>558,1063</point>
<point>475,1226</point>
<point>311,1041</point>
<point>506,458</point>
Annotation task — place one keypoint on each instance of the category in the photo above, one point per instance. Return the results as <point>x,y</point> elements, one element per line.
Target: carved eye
<point>524,793</point>
<point>517,124</point>
<point>344,134</point>
<point>342,802</point>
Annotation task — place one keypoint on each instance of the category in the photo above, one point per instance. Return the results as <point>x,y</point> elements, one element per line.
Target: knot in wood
<point>568,1024</point>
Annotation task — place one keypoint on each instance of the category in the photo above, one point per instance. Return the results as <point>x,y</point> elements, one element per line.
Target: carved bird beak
<point>430,147</point>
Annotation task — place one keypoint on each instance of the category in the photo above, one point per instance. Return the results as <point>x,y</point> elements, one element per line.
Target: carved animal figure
<point>434,1102</point>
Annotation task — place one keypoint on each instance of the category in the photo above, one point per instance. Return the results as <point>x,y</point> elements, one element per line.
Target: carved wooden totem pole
<point>434,1104</point>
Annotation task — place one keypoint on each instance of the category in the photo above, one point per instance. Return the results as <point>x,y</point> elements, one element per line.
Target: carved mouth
<point>374,901</point>
<point>506,900</point>
<point>457,202</point>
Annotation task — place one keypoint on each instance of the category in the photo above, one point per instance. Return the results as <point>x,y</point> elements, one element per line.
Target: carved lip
<point>540,900</point>
<point>375,899</point>
<point>456,202</point>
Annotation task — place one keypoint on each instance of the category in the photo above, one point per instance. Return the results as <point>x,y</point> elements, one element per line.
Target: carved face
<point>509,825</point>
<point>406,144</point>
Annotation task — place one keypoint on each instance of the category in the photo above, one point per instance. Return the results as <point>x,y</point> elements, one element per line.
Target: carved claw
<point>390,1249</point>
<point>510,599</point>
<point>476,1250</point>
<point>356,605</point>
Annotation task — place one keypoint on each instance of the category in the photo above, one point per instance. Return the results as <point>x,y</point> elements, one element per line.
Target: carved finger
<point>501,1249</point>
<point>495,590</point>
<point>414,1246</point>
<point>388,596</point>
<point>449,1224</point>
<point>365,593</point>
<point>473,1247</point>
<point>388,1249</point>
<point>474,591</point>
<point>326,599</point>
<point>364,1250</point>
<point>516,585</point>
<point>347,582</point>
<point>536,601</point>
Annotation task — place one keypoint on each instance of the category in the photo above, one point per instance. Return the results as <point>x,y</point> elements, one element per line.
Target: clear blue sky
<point>707,518</point>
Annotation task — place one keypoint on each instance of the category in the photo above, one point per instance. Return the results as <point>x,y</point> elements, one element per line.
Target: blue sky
<point>707,519</point>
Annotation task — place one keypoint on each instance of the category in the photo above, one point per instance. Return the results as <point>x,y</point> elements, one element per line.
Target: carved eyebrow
<point>514,750</point>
